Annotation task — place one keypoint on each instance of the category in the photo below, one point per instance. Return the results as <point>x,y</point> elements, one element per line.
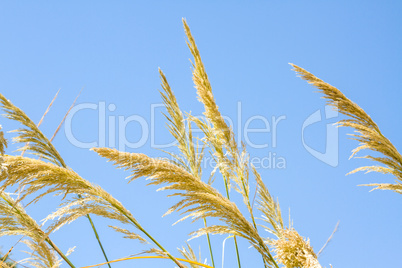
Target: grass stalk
<point>97,238</point>
<point>65,166</point>
<point>88,216</point>
<point>209,245</point>
<point>255,225</point>
<point>59,252</point>
<point>234,237</point>
<point>6,257</point>
<point>25,120</point>
<point>136,224</point>
<point>237,251</point>
<point>47,239</point>
<point>148,257</point>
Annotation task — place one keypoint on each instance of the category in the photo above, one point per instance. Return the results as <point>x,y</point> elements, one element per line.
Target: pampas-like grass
<point>38,144</point>
<point>189,254</point>
<point>199,200</point>
<point>36,175</point>
<point>294,251</point>
<point>367,133</point>
<point>34,140</point>
<point>15,221</point>
<point>182,176</point>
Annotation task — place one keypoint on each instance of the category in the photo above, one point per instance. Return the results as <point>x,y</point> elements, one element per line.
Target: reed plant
<point>44,173</point>
<point>366,132</point>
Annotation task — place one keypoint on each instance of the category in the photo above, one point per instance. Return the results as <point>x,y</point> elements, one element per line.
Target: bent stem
<point>149,257</point>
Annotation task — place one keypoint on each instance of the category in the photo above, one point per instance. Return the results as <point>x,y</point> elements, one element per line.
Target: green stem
<point>255,225</point>
<point>59,252</point>
<point>237,251</point>
<point>136,224</point>
<point>209,245</point>
<point>159,245</point>
<point>235,240</point>
<point>97,237</point>
<point>94,230</point>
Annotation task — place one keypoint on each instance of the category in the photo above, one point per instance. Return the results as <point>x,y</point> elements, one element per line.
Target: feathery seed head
<point>293,251</point>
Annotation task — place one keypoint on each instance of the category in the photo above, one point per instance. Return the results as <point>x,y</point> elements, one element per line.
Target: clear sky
<point>112,49</point>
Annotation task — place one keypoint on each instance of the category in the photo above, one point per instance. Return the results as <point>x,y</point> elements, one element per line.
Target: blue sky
<point>113,51</point>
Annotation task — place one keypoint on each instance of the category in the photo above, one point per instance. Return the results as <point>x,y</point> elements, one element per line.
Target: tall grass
<point>45,173</point>
<point>367,133</point>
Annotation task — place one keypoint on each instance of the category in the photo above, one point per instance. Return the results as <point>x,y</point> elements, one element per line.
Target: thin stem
<point>97,237</point>
<point>234,237</point>
<point>136,224</point>
<point>59,252</point>
<point>65,166</point>
<point>237,251</point>
<point>3,259</point>
<point>95,232</point>
<point>209,245</point>
<point>159,245</point>
<point>47,239</point>
<point>269,255</point>
<point>255,225</point>
<point>148,257</point>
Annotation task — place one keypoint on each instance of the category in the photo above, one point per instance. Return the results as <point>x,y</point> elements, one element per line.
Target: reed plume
<point>15,221</point>
<point>191,154</point>
<point>232,162</point>
<point>367,133</point>
<point>189,254</point>
<point>294,251</point>
<point>199,199</point>
<point>182,175</point>
<point>44,115</point>
<point>90,199</point>
<point>34,140</point>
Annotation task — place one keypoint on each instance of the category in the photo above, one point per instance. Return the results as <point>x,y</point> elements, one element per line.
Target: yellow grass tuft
<point>293,251</point>
<point>368,134</point>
